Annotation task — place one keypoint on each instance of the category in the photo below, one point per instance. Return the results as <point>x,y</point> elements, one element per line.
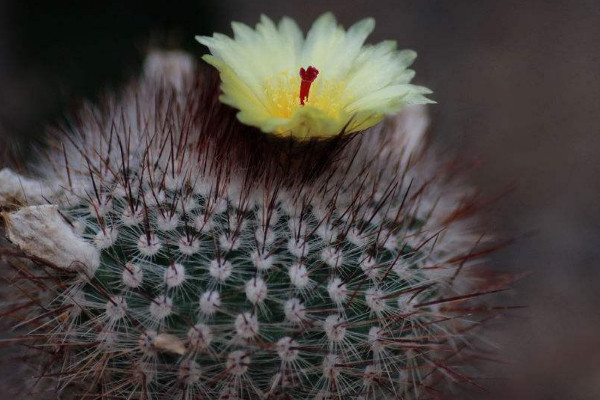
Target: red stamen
<point>308,77</point>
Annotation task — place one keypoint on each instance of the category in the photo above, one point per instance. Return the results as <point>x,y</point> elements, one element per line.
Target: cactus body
<point>204,260</point>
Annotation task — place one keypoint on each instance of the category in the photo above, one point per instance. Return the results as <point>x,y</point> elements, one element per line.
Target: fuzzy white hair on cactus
<point>200,336</point>
<point>15,188</point>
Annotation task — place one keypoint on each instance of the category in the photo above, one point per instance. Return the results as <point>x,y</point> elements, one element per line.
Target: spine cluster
<point>191,269</point>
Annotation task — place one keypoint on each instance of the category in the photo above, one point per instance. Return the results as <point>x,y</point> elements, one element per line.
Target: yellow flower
<point>320,85</point>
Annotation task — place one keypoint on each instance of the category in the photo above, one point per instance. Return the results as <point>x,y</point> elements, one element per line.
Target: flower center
<point>308,76</point>
<point>281,94</point>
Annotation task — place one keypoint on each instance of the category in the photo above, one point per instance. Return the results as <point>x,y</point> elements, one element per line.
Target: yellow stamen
<point>281,92</point>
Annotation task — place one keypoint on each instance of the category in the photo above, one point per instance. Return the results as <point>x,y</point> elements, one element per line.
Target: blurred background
<point>518,88</point>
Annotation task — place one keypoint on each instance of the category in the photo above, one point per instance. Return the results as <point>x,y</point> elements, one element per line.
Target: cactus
<point>178,254</point>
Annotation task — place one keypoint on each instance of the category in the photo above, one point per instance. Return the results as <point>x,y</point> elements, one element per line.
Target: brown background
<point>518,86</point>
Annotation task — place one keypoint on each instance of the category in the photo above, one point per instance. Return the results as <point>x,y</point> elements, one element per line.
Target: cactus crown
<point>201,259</point>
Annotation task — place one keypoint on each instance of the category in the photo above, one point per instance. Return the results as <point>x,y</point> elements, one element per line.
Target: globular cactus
<point>178,254</point>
